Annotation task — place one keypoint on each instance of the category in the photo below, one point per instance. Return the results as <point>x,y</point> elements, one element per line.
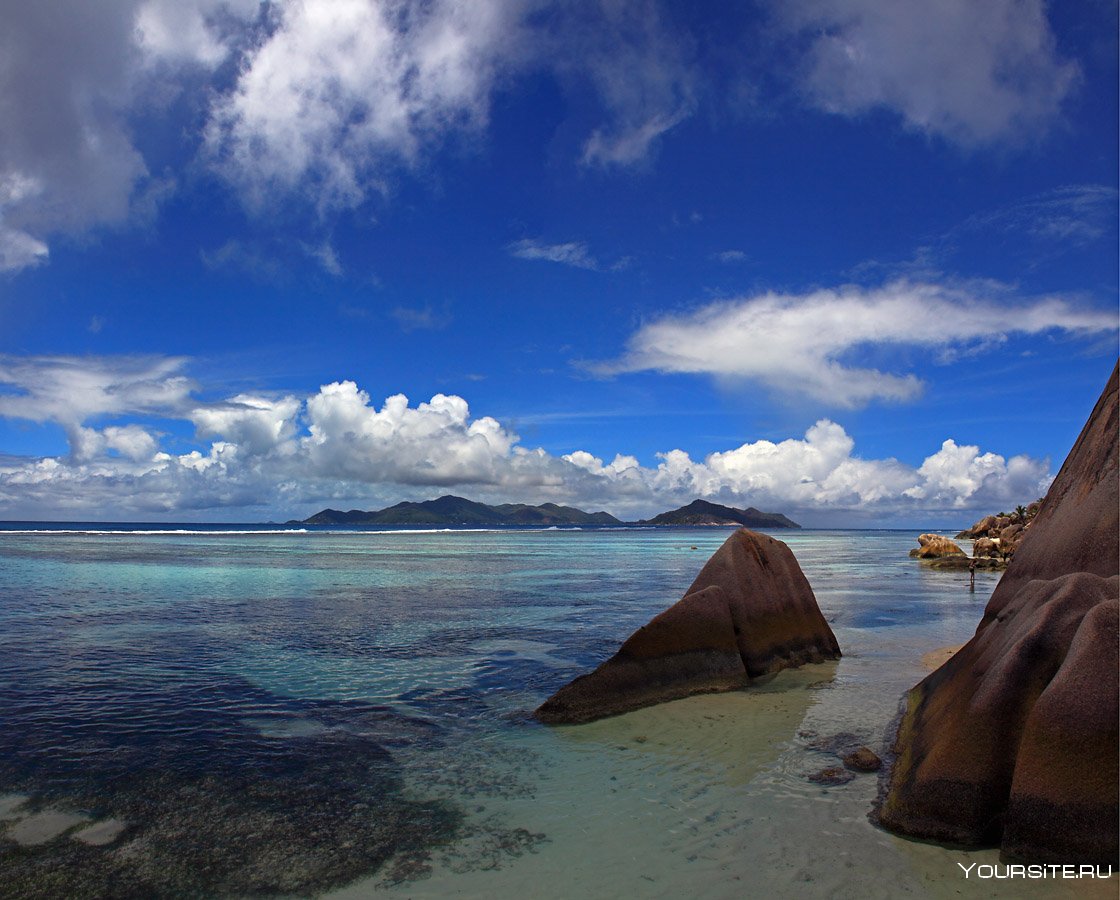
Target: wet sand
<point>709,797</point>
<point>935,659</point>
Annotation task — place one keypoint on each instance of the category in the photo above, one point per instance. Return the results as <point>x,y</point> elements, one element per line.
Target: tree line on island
<point>451,510</point>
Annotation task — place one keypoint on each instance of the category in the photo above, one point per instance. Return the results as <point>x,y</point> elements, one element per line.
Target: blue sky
<point>851,260</point>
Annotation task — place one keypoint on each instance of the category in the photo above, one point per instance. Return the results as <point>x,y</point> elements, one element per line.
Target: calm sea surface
<point>241,713</point>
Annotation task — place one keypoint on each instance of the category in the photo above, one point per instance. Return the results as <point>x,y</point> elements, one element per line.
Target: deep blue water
<point>270,710</point>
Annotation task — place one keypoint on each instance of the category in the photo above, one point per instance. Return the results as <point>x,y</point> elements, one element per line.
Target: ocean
<point>277,711</point>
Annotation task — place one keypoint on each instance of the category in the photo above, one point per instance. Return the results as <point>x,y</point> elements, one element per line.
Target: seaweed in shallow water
<point>213,806</point>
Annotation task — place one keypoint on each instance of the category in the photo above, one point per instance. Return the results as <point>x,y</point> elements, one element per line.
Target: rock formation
<point>985,547</point>
<point>1014,740</point>
<point>935,546</point>
<point>1004,531</point>
<point>749,613</point>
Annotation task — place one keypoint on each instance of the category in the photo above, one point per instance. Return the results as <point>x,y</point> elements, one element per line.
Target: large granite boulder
<point>935,546</point>
<point>1014,740</point>
<point>985,547</point>
<point>749,613</point>
<point>980,529</point>
<point>1012,535</point>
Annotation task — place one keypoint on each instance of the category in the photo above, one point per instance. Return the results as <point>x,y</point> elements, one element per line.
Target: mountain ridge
<point>452,510</point>
<point>703,512</point>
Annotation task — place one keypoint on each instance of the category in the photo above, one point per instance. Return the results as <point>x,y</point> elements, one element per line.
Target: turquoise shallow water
<point>297,712</point>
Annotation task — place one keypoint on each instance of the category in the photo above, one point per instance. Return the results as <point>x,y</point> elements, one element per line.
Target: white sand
<point>40,827</point>
<point>708,798</point>
<point>100,833</point>
<point>935,659</point>
<point>10,806</point>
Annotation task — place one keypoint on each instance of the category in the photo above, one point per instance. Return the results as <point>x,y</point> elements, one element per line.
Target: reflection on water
<point>273,713</point>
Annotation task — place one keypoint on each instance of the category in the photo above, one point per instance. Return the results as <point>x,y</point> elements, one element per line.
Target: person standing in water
<point>972,574</point>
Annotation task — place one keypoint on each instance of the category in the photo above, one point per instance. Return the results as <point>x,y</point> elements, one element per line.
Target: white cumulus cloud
<point>258,424</point>
<point>803,343</point>
<point>433,443</point>
<point>198,32</point>
<point>291,455</point>
<point>330,101</point>
<point>342,91</point>
<point>974,73</point>
<point>74,79</point>
<point>820,471</point>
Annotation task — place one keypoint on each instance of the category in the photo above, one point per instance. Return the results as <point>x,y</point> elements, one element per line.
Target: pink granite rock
<point>749,613</point>
<point>1014,740</point>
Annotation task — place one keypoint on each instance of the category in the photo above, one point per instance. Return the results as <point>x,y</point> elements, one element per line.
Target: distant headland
<point>452,510</point>
<point>701,512</point>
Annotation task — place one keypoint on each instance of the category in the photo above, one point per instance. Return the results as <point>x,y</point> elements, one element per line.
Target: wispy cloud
<point>324,254</point>
<point>73,389</point>
<point>1070,216</point>
<point>423,318</point>
<point>254,258</point>
<point>569,253</point>
<point>730,257</point>
<point>804,343</point>
<point>629,145</point>
<point>19,250</point>
<point>1032,232</point>
<point>642,71</point>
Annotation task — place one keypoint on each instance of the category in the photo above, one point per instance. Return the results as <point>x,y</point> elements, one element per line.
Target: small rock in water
<point>831,775</point>
<point>862,760</point>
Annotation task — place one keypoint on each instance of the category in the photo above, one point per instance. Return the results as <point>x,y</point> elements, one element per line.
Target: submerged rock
<point>862,759</point>
<point>833,775</point>
<point>967,562</point>
<point>1014,740</point>
<point>749,613</point>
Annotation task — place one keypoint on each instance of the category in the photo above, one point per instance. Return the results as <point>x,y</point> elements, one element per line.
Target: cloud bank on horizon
<point>336,445</point>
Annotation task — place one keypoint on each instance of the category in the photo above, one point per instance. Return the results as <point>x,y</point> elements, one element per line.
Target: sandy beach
<point>935,659</point>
